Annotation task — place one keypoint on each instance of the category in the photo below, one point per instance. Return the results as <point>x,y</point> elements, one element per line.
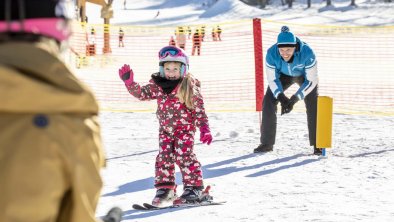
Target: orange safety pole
<point>107,46</point>
<point>258,63</point>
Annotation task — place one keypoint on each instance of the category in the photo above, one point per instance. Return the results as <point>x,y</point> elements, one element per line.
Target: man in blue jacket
<point>289,61</point>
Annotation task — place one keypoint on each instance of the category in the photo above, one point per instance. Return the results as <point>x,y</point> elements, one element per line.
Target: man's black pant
<point>268,126</point>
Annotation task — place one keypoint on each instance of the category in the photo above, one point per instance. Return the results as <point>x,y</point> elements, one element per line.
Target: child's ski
<point>147,206</point>
<point>206,200</point>
<point>139,207</point>
<point>153,207</point>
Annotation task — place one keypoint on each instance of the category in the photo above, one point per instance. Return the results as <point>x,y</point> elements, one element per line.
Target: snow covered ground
<point>354,182</point>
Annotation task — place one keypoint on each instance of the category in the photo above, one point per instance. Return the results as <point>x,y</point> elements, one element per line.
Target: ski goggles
<point>170,51</point>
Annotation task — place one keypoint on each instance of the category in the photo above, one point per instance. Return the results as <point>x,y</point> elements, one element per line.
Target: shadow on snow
<point>212,171</point>
<point>209,171</point>
<point>138,214</point>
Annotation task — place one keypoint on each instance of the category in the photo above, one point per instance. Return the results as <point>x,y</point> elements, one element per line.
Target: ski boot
<point>263,148</point>
<point>193,195</point>
<point>317,151</point>
<point>164,197</point>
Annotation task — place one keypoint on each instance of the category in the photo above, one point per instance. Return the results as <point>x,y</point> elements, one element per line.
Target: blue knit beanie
<point>286,38</point>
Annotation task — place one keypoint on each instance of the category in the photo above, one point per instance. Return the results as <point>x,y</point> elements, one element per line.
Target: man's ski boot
<point>317,151</point>
<point>263,148</point>
<point>164,197</point>
<point>194,195</point>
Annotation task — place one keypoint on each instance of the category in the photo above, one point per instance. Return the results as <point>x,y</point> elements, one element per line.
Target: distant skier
<point>172,41</point>
<point>121,37</point>
<point>189,32</point>
<point>214,36</point>
<point>196,47</point>
<point>180,112</point>
<point>289,61</point>
<point>181,37</point>
<point>157,14</point>
<point>218,31</point>
<point>91,43</point>
<point>202,32</point>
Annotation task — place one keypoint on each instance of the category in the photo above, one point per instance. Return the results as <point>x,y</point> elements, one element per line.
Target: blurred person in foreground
<point>50,144</point>
<point>289,61</point>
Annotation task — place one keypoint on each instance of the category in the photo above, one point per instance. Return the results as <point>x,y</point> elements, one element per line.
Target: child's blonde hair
<point>187,90</point>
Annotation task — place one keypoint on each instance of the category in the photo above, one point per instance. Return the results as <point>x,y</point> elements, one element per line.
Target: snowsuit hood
<point>40,83</point>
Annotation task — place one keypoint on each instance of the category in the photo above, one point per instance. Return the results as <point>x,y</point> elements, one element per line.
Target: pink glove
<point>126,74</point>
<point>205,135</point>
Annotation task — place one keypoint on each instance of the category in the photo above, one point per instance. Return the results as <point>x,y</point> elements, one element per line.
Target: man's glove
<point>289,107</point>
<point>205,135</point>
<point>284,101</point>
<point>126,74</point>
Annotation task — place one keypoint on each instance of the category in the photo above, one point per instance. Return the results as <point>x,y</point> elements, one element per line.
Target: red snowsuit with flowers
<point>176,133</point>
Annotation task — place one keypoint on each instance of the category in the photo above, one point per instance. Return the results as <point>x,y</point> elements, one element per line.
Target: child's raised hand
<point>205,135</point>
<point>126,74</point>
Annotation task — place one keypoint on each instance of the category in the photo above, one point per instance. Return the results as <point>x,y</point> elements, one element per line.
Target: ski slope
<point>354,182</point>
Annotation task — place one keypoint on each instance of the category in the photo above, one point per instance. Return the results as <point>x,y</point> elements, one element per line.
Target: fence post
<point>324,123</point>
<point>258,63</point>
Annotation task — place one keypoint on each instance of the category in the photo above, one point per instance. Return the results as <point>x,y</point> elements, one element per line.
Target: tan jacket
<point>50,144</point>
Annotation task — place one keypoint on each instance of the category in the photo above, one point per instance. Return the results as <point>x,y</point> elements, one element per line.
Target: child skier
<point>180,111</point>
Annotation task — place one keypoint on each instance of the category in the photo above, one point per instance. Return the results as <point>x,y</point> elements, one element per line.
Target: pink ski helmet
<point>173,54</point>
<point>41,17</point>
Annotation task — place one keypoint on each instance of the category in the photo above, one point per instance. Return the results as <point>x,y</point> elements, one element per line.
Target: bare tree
<point>262,3</point>
<point>309,3</point>
<point>353,3</point>
<point>290,3</point>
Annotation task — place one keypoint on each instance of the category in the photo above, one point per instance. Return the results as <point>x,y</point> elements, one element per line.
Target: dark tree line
<point>264,3</point>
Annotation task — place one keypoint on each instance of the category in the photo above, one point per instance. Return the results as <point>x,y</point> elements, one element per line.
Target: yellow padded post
<point>324,122</point>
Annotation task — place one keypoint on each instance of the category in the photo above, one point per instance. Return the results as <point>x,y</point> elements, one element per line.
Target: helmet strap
<point>161,70</point>
<point>183,70</point>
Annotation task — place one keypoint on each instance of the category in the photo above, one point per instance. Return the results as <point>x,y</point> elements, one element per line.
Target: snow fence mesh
<point>355,63</point>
